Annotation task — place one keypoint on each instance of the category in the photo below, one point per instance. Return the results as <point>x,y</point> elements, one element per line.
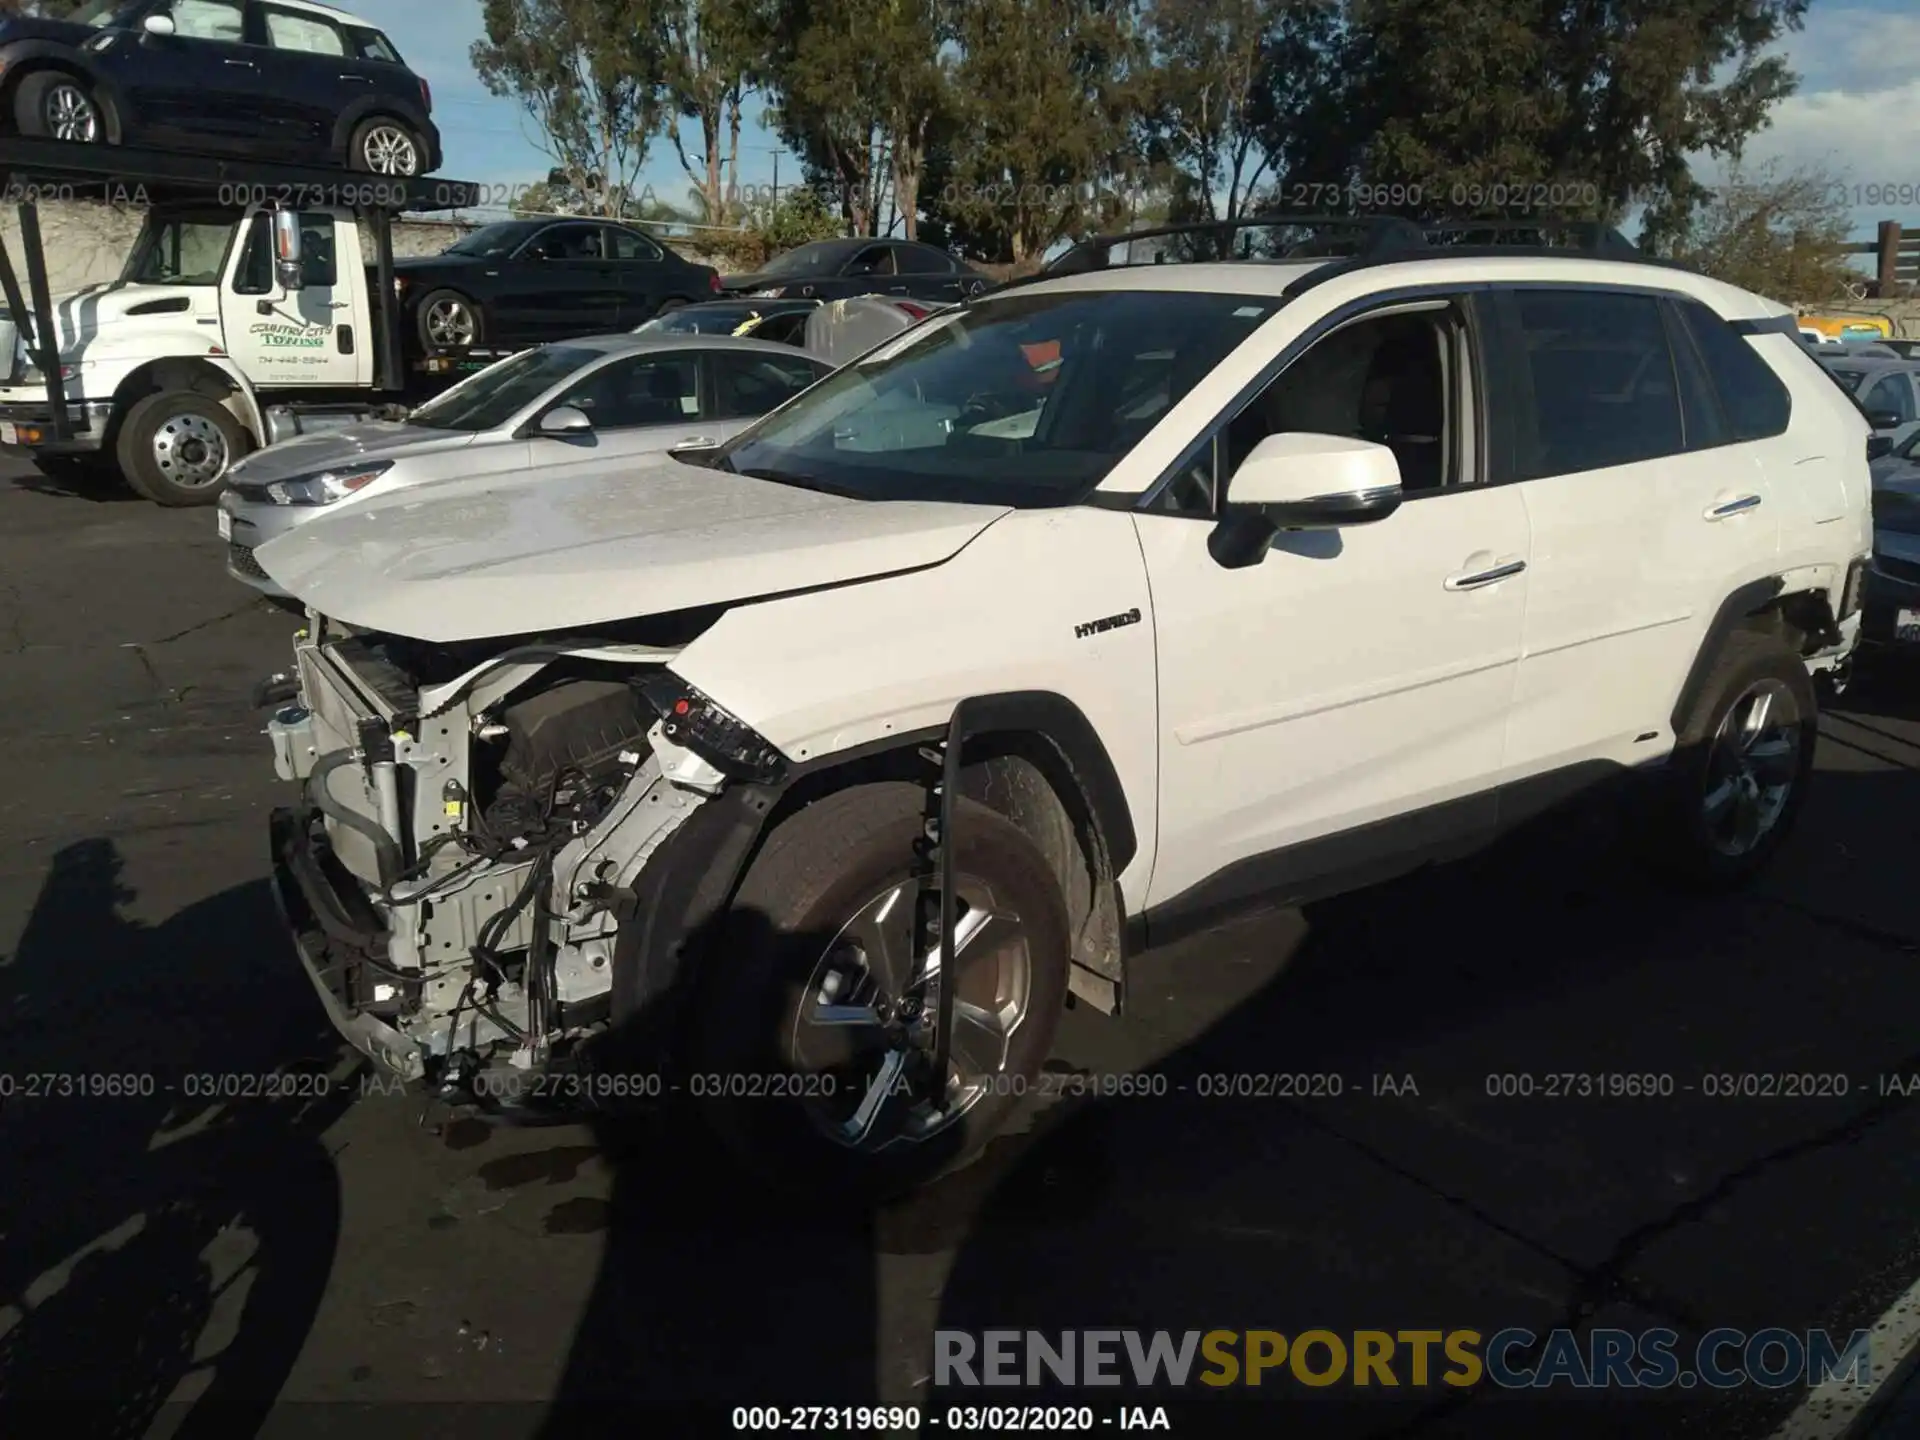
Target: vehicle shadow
<point>68,480</point>
<point>160,1245</point>
<point>1446,1207</point>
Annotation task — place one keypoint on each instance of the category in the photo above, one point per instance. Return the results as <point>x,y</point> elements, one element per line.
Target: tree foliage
<point>589,75</point>
<point>708,54</point>
<point>1775,231</point>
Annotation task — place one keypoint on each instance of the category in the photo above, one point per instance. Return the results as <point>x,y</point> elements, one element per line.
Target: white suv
<point>1151,592</point>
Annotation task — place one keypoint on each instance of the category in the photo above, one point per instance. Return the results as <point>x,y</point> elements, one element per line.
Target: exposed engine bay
<point>472,825</point>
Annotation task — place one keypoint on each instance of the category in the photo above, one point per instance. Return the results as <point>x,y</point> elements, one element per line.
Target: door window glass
<point>310,33</point>
<point>1604,391</point>
<point>647,390</point>
<point>630,245</point>
<point>209,20</point>
<point>319,268</point>
<point>1754,401</point>
<point>922,260</point>
<point>1891,392</point>
<point>754,384</point>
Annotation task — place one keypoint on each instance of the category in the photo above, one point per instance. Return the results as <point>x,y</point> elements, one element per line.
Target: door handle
<point>1739,505</point>
<point>248,64</point>
<point>355,79</point>
<point>1479,579</point>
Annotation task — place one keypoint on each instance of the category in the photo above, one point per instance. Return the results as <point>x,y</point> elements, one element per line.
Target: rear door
<point>312,73</point>
<point>925,273</point>
<point>1645,511</point>
<point>639,270</point>
<point>744,385</point>
<point>559,285</point>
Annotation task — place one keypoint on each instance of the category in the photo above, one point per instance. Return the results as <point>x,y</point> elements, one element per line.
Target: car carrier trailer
<point>259,303</point>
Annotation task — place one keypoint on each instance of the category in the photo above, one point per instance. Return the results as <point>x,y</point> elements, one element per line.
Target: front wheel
<point>386,147</point>
<point>1741,766</point>
<point>813,1055</point>
<point>176,448</point>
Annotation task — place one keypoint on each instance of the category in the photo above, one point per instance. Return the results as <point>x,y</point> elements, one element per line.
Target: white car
<point>813,776</point>
<point>574,404</point>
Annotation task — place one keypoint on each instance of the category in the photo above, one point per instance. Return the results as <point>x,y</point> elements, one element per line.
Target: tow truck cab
<point>241,317</point>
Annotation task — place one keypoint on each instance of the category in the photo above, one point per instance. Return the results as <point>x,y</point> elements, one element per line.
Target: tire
<point>445,314</point>
<point>384,146</point>
<point>1690,842</point>
<point>826,864</point>
<point>52,105</point>
<point>169,448</point>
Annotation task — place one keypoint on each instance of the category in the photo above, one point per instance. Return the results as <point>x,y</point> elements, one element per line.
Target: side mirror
<point>1884,419</point>
<point>1303,482</point>
<point>158,25</point>
<point>287,260</point>
<point>565,420</point>
<point>1879,446</point>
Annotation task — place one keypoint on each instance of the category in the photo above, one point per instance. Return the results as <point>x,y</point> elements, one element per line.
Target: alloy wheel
<point>72,115</point>
<point>389,150</point>
<point>859,1029</point>
<point>451,323</point>
<point>1752,766</point>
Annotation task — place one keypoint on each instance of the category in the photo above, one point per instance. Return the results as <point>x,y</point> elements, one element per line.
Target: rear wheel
<point>386,147</point>
<point>813,1039</point>
<point>53,106</point>
<point>1741,766</point>
<point>176,448</point>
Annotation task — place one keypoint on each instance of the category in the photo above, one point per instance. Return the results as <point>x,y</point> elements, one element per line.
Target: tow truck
<point>258,303</point>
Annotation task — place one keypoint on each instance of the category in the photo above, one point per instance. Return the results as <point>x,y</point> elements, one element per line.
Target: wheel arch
<point>1033,756</point>
<point>37,58</point>
<point>1803,618</point>
<point>203,376</point>
<point>378,107</point>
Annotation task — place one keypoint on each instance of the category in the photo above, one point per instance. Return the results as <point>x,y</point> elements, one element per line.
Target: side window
<point>1891,392</point>
<point>313,34</point>
<point>921,260</point>
<point>1603,383</point>
<point>1385,379</point>
<point>372,45</point>
<point>566,242</point>
<point>318,264</point>
<point>1755,402</point>
<point>874,260</point>
<point>790,329</point>
<point>645,390</point>
<point>754,384</point>
<point>630,245</point>
<point>209,20</point>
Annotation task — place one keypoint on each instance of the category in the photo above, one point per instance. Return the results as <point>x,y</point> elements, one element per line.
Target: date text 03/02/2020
<point>955,1419</point>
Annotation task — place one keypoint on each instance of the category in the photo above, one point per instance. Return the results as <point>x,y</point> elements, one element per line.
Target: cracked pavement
<point>318,1242</point>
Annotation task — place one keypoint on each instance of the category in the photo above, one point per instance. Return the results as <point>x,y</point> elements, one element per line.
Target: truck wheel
<point>798,1056</point>
<point>1740,769</point>
<point>51,105</point>
<point>385,147</point>
<point>449,321</point>
<point>176,448</point>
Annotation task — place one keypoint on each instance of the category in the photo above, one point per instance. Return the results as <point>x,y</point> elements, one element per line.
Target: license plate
<point>1906,626</point>
<point>226,526</point>
<point>9,433</point>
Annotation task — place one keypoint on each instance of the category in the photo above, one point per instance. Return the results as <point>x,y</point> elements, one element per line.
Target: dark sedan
<point>264,79</point>
<point>527,282</point>
<point>838,269</point>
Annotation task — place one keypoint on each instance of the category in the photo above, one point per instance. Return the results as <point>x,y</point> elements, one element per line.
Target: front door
<point>1341,704</point>
<point>558,285</point>
<point>310,338</point>
<point>200,84</point>
<point>312,75</point>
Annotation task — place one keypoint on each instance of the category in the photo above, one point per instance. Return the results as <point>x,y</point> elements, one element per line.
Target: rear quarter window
<point>372,45</point>
<point>1753,399</point>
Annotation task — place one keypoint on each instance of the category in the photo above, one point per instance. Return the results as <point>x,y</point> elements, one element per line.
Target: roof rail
<point>1591,236</point>
<point>1205,240</point>
<point>64,169</point>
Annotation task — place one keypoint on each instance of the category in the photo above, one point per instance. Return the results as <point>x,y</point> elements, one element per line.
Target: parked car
<point>266,79</point>
<point>532,417</point>
<point>1891,600</point>
<point>528,281</point>
<point>835,269</point>
<point>1905,349</point>
<point>1071,621</point>
<point>1885,387</point>
<point>724,317</point>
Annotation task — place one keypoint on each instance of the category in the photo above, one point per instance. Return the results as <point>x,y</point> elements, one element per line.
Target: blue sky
<point>1857,114</point>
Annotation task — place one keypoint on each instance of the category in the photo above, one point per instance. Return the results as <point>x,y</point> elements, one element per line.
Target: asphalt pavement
<point>209,1224</point>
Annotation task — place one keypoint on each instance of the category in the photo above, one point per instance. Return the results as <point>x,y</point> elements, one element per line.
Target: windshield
<point>1846,376</point>
<point>493,397</point>
<point>501,239</point>
<point>1026,400</point>
<point>815,259</point>
<point>179,250</point>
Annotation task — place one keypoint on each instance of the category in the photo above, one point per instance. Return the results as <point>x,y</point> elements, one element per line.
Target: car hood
<point>370,439</point>
<point>533,553</point>
<point>80,314</point>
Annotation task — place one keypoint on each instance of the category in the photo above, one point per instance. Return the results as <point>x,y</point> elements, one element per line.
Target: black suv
<point>266,79</point>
